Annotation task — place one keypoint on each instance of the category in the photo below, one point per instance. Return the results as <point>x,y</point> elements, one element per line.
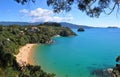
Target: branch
<point>111,9</point>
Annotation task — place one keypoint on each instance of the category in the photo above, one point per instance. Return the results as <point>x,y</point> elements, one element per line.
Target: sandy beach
<point>25,55</point>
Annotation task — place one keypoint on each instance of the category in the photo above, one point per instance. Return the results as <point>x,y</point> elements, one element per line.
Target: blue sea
<point>78,56</point>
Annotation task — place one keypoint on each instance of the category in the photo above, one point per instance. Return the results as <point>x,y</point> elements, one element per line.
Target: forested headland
<point>12,37</point>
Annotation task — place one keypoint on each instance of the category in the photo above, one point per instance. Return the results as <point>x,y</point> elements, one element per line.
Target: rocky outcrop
<point>49,42</point>
<point>103,72</point>
<point>81,30</point>
<point>116,71</point>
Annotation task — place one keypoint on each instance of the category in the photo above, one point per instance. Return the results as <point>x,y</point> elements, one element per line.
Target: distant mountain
<point>11,23</point>
<point>19,23</point>
<point>65,24</point>
<point>74,26</point>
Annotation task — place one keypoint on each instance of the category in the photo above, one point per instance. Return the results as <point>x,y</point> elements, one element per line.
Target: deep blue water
<point>77,56</point>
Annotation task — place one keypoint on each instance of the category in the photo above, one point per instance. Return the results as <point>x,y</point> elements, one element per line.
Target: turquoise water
<point>77,56</point>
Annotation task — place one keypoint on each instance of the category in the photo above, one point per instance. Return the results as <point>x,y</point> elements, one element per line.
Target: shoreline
<point>26,55</point>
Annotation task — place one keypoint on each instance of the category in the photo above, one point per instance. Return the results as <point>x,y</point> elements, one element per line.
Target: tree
<point>92,8</point>
<point>1,28</point>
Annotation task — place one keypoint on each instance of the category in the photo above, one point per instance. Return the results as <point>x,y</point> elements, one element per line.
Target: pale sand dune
<point>25,55</point>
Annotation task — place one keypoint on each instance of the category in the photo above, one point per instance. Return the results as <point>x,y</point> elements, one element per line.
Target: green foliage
<point>14,36</point>
<point>52,24</point>
<point>34,71</point>
<point>92,8</point>
<point>1,28</point>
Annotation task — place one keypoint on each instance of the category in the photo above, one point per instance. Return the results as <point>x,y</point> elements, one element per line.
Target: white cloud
<point>45,15</point>
<point>24,11</point>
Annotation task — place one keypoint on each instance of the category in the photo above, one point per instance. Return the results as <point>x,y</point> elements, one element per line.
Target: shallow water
<point>77,56</point>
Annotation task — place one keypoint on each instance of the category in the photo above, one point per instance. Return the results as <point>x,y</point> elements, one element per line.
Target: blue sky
<point>40,12</point>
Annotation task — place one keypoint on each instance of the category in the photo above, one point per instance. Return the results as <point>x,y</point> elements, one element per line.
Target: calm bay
<point>77,56</point>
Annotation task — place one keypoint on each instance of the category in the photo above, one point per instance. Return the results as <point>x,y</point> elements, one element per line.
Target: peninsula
<point>17,42</point>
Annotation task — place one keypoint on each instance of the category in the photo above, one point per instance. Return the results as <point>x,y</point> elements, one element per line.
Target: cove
<point>77,56</point>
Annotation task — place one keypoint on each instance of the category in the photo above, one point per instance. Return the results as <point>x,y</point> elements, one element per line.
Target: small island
<point>112,27</point>
<point>81,30</point>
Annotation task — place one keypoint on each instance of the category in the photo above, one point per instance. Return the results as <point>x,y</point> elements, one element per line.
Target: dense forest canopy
<point>92,8</point>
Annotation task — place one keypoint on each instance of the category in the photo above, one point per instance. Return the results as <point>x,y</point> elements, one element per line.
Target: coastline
<point>26,55</point>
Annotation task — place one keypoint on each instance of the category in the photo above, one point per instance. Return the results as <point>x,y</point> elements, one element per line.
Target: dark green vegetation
<point>116,70</point>
<point>14,36</point>
<point>80,30</point>
<point>92,8</point>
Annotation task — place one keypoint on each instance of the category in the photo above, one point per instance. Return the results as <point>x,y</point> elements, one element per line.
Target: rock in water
<point>80,30</point>
<point>103,72</point>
